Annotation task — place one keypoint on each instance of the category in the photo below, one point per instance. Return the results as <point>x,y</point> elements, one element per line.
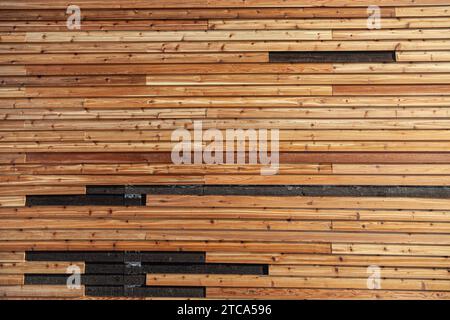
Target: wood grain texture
<point>326,294</point>
<point>86,123</point>
<point>292,282</point>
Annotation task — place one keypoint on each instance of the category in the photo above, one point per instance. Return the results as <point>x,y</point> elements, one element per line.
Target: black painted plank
<point>336,191</point>
<point>165,292</point>
<point>75,256</point>
<point>164,257</point>
<point>332,56</point>
<point>133,268</point>
<point>162,292</point>
<point>103,280</point>
<point>84,200</point>
<point>46,279</point>
<point>102,291</point>
<point>97,280</point>
<point>137,268</point>
<point>301,190</point>
<point>134,199</point>
<point>187,190</point>
<point>104,268</point>
<point>117,256</point>
<point>134,280</point>
<point>249,269</point>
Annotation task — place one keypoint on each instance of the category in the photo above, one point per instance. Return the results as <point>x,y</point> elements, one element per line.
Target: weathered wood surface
<point>355,107</point>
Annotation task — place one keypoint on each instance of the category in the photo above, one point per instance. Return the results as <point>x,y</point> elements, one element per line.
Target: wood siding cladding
<point>86,175</point>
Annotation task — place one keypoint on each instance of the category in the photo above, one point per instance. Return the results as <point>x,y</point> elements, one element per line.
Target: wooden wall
<point>86,118</point>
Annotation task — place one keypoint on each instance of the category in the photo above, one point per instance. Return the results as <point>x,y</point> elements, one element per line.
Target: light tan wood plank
<point>264,24</point>
<point>12,256</point>
<point>333,260</point>
<point>223,46</point>
<point>140,91</point>
<point>391,169</point>
<point>211,246</point>
<point>40,291</point>
<point>12,201</point>
<point>389,34</point>
<point>418,56</point>
<point>297,202</point>
<point>388,226</point>
<point>149,36</point>
<point>104,58</point>
<point>228,102</point>
<point>38,267</point>
<point>284,135</point>
<point>290,282</point>
<point>250,236</point>
<point>10,280</point>
<point>438,11</point>
<point>206,213</point>
<point>391,249</point>
<point>89,4</point>
<point>357,272</point>
<point>327,294</point>
<point>41,190</point>
<point>159,224</point>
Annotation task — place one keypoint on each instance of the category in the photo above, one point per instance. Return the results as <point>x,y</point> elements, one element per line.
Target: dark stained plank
<point>207,269</point>
<point>87,256</point>
<point>162,292</point>
<point>86,200</point>
<point>332,56</point>
<point>92,280</point>
<point>285,190</point>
